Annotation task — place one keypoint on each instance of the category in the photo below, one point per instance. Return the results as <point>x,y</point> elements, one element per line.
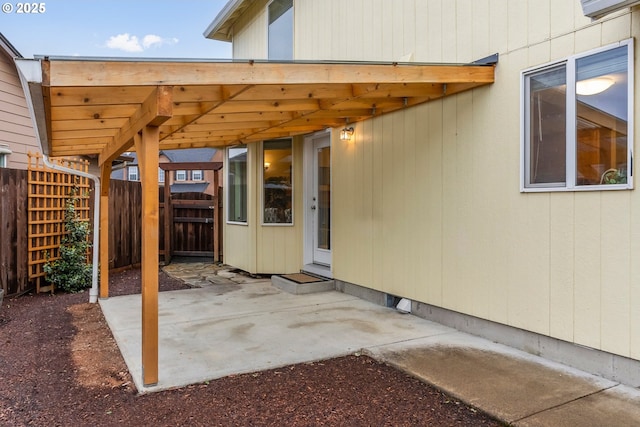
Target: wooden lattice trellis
<point>48,192</point>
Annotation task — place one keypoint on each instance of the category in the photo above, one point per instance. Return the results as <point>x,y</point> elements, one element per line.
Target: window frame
<point>571,142</point>
<point>161,175</point>
<point>227,186</point>
<point>262,184</point>
<point>180,172</point>
<point>133,171</point>
<point>198,172</point>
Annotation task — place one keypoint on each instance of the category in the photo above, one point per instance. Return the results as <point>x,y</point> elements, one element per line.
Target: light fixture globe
<point>593,86</point>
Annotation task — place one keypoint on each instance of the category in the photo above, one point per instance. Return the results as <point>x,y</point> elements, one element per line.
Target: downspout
<point>93,292</point>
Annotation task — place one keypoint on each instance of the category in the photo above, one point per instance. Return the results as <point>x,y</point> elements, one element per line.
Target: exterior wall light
<point>346,133</point>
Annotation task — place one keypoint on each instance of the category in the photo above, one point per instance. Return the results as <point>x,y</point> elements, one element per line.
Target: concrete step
<point>300,283</point>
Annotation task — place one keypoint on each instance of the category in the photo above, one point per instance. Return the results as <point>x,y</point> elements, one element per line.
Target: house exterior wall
<point>426,202</point>
<point>16,128</point>
<point>267,248</point>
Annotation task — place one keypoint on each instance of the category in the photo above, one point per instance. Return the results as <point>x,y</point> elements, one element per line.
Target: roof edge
<point>226,17</point>
<point>8,47</point>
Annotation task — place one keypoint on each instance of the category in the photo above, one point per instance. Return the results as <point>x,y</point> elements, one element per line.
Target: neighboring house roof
<point>220,28</point>
<point>9,48</point>
<point>189,155</point>
<point>185,187</point>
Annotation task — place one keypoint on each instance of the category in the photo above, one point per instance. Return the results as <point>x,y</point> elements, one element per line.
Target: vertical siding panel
<point>433,210</point>
<point>480,30</point>
<point>368,171</point>
<point>518,28</point>
<point>408,26</point>
<point>561,47</point>
<point>562,270</point>
<point>529,284</point>
<point>421,32</point>
<point>468,288</point>
<point>379,243</point>
<point>449,32</point>
<point>499,26</point>
<point>589,38</point>
<point>615,255</point>
<point>388,208</point>
<point>588,271</point>
<point>616,29</point>
<point>373,24</point>
<point>450,258</point>
<point>561,19</point>
<point>412,226</point>
<point>464,36</point>
<point>539,21</point>
<point>434,31</point>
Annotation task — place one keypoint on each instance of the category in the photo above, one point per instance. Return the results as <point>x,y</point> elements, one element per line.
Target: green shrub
<point>71,272</point>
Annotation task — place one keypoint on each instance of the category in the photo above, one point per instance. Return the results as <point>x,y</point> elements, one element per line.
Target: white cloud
<point>129,43</point>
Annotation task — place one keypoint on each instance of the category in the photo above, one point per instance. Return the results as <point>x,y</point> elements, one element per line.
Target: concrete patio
<point>235,325</point>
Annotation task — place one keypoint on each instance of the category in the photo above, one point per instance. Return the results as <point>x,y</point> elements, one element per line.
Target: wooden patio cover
<point>102,108</point>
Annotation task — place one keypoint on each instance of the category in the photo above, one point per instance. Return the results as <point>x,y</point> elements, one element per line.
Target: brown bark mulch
<point>60,366</point>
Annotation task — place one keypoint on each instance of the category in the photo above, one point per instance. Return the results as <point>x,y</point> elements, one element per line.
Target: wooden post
<point>105,181</point>
<point>148,151</point>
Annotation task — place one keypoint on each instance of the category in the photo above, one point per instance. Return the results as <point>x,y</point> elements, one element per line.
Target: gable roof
<point>220,28</point>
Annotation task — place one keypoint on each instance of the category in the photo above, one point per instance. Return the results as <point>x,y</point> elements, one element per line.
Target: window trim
<point>227,186</point>
<point>161,175</point>
<point>181,179</point>
<point>262,208</point>
<point>571,143</point>
<point>136,174</point>
<point>193,173</point>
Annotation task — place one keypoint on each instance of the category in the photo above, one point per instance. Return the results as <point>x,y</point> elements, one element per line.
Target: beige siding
<point>266,249</point>
<point>279,247</point>
<point>16,128</point>
<point>426,202</point>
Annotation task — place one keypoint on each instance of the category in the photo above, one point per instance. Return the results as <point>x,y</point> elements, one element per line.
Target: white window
<point>236,185</point>
<point>197,175</point>
<point>277,179</point>
<point>578,122</point>
<point>133,173</point>
<point>160,175</point>
<point>181,175</point>
<point>280,34</point>
<point>4,156</point>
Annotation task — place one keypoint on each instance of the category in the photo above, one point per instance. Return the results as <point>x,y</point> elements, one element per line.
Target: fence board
<point>13,231</point>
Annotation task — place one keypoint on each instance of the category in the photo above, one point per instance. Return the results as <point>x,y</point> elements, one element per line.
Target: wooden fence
<point>14,277</point>
<point>32,216</point>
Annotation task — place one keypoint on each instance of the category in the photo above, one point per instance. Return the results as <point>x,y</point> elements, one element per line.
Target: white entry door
<point>320,202</point>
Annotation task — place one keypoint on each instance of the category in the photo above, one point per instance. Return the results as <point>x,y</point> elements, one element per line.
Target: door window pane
<point>278,182</point>
<point>237,184</point>
<point>324,198</point>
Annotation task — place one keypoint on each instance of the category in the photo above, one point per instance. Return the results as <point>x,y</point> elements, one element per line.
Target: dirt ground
<point>60,366</point>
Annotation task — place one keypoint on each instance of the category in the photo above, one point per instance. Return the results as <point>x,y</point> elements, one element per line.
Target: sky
<point>114,28</point>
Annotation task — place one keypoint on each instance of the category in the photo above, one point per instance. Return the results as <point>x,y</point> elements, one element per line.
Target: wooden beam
<point>147,150</point>
<point>168,219</point>
<point>154,111</point>
<point>146,73</point>
<point>105,181</point>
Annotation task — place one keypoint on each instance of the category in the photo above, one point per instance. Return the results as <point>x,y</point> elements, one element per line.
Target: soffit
<point>95,107</point>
